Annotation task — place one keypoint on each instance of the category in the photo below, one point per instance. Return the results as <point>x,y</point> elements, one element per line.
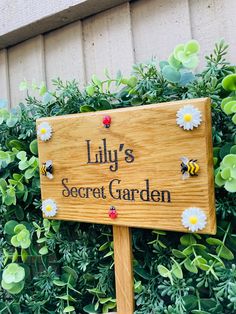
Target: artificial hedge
<point>61,267</point>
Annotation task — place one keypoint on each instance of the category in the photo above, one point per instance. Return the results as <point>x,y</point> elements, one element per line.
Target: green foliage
<point>228,104</point>
<point>226,174</point>
<point>183,58</point>
<point>21,238</point>
<point>13,278</point>
<point>65,267</point>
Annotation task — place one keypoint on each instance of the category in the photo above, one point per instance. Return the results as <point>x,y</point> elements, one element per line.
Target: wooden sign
<point>137,167</point>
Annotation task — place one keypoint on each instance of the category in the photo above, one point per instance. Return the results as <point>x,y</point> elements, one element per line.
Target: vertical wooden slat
<point>212,20</point>
<point>123,269</point>
<point>64,54</point>
<point>158,26</point>
<point>26,61</point>
<point>108,42</point>
<point>4,77</point>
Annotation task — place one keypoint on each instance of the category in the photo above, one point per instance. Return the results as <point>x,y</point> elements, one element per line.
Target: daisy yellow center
<point>188,117</point>
<point>43,131</point>
<point>193,220</point>
<point>48,208</point>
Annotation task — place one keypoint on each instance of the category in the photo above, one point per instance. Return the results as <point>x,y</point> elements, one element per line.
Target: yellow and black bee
<point>189,167</point>
<point>47,169</point>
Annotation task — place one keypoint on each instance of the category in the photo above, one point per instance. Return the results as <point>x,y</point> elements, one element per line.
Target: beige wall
<point>116,38</point>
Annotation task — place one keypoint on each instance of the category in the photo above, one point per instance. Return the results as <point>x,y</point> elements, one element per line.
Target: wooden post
<point>123,269</point>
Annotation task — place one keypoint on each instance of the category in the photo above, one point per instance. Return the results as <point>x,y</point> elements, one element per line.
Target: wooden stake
<point>123,269</point>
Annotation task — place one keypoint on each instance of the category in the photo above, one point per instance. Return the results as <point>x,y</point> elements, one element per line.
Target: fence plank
<point>26,61</point>
<point>64,53</point>
<point>21,20</point>
<point>108,42</point>
<point>212,20</point>
<point>4,78</point>
<point>158,26</point>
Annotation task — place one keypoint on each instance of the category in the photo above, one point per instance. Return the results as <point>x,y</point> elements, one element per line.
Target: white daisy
<point>44,131</point>
<point>194,219</point>
<point>49,208</point>
<point>188,117</point>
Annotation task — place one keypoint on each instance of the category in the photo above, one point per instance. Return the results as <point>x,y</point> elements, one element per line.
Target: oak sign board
<point>134,166</point>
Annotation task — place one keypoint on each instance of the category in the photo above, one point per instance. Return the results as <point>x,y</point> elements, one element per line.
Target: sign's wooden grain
<point>137,169</point>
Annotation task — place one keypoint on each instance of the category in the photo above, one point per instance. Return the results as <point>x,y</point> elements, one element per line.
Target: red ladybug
<point>107,121</point>
<point>112,213</point>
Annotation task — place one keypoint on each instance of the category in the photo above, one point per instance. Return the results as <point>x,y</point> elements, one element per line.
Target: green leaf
<point>29,173</point>
<point>47,98</point>
<point>12,120</point>
<point>219,180</point>
<point>142,273</point>
<point>90,90</point>
<point>19,228</point>
<point>59,283</point>
<point>225,150</point>
<point>190,267</point>
<point>56,225</point>
<point>42,240</point>
<point>19,145</point>
<point>192,47</point>
<point>34,147</point>
<point>86,108</point>
<point>14,288</point>
<point>163,271</point>
<point>104,104</point>
<point>230,185</point>
<point>10,226</point>
<point>190,302</point>
<point>188,239</point>
<point>225,253</point>
<point>43,250</point>
<point>4,115</point>
<point>104,300</point>
<point>23,85</point>
<point>15,256</point>
<point>176,269</point>
<point>214,241</point>
<point>228,107</point>
<point>104,246</point>
<point>174,63</point>
<point>90,309</point>
<point>229,82</point>
<point>171,74</point>
<point>216,258</point>
<point>71,272</point>
<point>24,255</point>
<point>15,242</point>
<point>178,253</point>
<point>234,119</point>
<point>233,150</point>
<point>42,89</point>
<point>96,81</point>
<point>132,82</point>
<point>68,309</point>
<point>191,62</point>
<point>4,155</point>
<point>21,155</point>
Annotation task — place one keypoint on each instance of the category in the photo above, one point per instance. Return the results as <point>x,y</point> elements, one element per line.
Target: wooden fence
<point>115,38</point>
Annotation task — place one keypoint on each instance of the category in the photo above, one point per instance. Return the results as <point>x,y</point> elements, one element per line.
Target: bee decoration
<point>189,167</point>
<point>47,169</point>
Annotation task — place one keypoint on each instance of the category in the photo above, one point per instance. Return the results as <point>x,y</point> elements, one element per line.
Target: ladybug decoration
<point>112,212</point>
<point>107,121</point>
